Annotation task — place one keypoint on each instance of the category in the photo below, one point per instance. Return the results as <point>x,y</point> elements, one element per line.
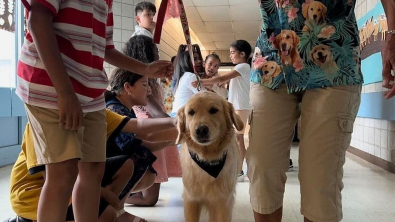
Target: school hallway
<point>366,196</point>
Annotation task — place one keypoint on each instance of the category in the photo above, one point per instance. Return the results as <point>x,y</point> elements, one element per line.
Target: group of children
<point>87,151</point>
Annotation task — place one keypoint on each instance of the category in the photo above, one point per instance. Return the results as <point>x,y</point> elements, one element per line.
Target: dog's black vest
<point>213,168</point>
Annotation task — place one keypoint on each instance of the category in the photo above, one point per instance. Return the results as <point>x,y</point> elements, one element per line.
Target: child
<point>167,165</point>
<point>239,88</point>
<point>27,181</point>
<point>145,12</point>
<point>184,76</point>
<point>211,65</point>
<point>61,80</point>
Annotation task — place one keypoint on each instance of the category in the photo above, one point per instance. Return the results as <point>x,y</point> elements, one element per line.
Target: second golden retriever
<point>209,156</point>
<point>287,44</point>
<point>322,56</point>
<point>315,13</point>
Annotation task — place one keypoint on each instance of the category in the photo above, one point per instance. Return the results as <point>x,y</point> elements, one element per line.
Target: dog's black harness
<point>213,168</point>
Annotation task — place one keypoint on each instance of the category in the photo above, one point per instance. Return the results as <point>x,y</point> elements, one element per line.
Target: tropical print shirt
<point>307,44</point>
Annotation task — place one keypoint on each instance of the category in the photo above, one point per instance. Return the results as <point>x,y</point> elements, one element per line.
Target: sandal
<point>135,219</point>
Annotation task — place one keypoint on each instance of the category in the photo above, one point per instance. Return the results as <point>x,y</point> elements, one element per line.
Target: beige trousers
<point>327,119</point>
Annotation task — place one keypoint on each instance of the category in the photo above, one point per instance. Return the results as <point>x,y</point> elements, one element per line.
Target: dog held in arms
<point>209,156</point>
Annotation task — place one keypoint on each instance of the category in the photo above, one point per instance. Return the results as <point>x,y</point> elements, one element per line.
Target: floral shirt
<point>307,44</point>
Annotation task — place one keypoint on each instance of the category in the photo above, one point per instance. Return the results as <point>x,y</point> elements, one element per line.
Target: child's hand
<point>194,84</point>
<point>111,198</point>
<point>160,69</point>
<point>70,111</point>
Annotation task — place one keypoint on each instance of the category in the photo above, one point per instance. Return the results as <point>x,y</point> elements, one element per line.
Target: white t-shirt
<point>239,88</point>
<point>184,91</point>
<point>142,31</point>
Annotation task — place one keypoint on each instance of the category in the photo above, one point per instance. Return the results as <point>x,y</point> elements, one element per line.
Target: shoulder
<point>242,68</point>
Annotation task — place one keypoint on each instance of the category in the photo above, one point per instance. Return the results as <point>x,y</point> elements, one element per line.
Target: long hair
<point>243,46</point>
<point>140,47</point>
<point>183,63</point>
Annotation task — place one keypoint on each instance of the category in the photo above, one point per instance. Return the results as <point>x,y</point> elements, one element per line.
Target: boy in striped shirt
<point>61,80</point>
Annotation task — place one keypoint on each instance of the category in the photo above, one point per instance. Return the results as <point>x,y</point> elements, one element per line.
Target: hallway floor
<point>368,196</point>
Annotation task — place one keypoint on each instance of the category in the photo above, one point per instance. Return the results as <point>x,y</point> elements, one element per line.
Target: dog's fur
<point>270,70</point>
<point>314,12</point>
<point>287,44</point>
<point>200,189</point>
<point>322,56</point>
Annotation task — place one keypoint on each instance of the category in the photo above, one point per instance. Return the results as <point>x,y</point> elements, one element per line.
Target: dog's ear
<point>305,11</point>
<point>277,40</point>
<point>235,119</point>
<point>323,13</point>
<point>296,40</point>
<point>180,125</point>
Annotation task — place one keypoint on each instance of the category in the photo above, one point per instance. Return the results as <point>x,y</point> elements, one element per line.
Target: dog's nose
<point>202,131</point>
<point>320,54</point>
<point>284,46</point>
<point>315,16</point>
<point>266,72</point>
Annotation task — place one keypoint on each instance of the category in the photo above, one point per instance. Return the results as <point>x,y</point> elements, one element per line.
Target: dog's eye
<point>213,110</point>
<point>191,112</point>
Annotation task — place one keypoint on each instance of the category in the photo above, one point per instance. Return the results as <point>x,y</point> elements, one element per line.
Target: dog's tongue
<point>285,53</point>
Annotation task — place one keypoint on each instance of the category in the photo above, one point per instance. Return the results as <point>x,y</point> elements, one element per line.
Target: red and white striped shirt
<point>84,30</point>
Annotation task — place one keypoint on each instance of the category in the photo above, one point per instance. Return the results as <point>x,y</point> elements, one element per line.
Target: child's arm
<point>157,69</point>
<point>162,136</point>
<point>41,27</point>
<point>147,126</point>
<point>157,146</point>
<point>154,108</point>
<point>217,79</point>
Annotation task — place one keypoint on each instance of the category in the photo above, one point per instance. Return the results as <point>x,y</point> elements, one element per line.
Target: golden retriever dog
<point>322,56</point>
<point>209,156</point>
<point>383,26</point>
<point>287,44</point>
<point>270,70</point>
<point>315,13</point>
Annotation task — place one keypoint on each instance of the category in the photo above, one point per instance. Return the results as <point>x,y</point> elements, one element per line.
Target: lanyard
<point>175,8</point>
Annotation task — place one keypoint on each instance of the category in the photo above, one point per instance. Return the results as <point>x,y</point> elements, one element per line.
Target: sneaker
<point>241,176</point>
<point>291,166</point>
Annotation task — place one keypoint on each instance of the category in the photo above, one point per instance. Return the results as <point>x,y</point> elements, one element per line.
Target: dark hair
<point>119,78</point>
<point>212,55</point>
<point>140,47</point>
<point>243,46</point>
<point>173,58</point>
<point>182,66</point>
<point>141,6</point>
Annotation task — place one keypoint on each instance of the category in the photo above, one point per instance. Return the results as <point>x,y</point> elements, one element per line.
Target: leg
<point>242,149</point>
<point>272,121</point>
<point>274,217</point>
<point>327,123</point>
<point>86,192</point>
<point>221,210</point>
<point>148,197</point>
<point>192,211</point>
<point>240,136</point>
<point>145,183</point>
<point>108,215</point>
<point>58,186</point>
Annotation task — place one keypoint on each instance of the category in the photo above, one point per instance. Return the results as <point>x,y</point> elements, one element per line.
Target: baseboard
<point>388,166</point>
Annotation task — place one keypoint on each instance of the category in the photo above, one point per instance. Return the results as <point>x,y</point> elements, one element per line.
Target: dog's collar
<point>213,168</point>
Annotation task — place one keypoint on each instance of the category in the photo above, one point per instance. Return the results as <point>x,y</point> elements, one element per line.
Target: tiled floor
<point>369,196</point>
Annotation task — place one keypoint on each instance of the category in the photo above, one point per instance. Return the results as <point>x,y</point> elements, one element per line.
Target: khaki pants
<point>327,119</point>
<point>54,144</point>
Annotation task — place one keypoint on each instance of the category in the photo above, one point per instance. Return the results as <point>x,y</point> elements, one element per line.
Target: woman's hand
<point>160,69</point>
<point>194,84</point>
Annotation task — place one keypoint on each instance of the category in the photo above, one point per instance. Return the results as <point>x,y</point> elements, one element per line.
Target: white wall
<point>373,136</point>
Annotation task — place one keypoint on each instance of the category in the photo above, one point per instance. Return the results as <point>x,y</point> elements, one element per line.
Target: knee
<point>127,169</point>
<point>91,170</point>
<point>147,181</point>
<point>61,175</point>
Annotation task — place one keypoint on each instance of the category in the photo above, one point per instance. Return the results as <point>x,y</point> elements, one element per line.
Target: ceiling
<point>217,23</point>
